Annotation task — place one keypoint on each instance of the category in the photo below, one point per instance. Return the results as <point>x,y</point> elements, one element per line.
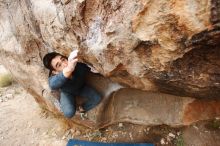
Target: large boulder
<point>161,46</point>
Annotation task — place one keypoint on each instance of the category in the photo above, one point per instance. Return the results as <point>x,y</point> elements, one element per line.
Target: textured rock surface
<point>168,46</point>
<point>202,134</point>
<point>138,107</point>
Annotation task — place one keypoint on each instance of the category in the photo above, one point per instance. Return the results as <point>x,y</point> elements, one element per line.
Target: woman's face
<point>59,63</point>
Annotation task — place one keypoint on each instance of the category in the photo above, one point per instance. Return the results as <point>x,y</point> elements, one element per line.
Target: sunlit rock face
<point>166,46</point>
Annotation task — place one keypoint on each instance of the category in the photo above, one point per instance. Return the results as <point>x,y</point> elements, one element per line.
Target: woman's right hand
<point>72,61</point>
<point>72,64</point>
<point>73,55</point>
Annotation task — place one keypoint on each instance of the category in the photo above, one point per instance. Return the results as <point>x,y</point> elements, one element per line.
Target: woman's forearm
<point>67,73</point>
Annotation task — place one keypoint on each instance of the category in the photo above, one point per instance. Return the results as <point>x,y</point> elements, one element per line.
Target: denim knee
<point>92,97</point>
<point>67,102</point>
<point>97,98</point>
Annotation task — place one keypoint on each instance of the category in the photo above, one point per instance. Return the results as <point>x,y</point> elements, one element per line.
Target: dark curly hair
<point>48,58</point>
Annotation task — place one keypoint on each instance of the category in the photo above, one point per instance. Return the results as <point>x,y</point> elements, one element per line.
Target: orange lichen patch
<point>201,110</point>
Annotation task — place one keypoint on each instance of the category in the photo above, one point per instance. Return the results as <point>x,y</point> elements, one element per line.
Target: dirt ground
<point>23,123</point>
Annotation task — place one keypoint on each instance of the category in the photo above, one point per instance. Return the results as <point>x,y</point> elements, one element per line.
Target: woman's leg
<point>67,102</point>
<point>92,97</point>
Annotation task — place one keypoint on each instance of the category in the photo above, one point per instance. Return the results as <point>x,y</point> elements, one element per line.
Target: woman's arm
<point>57,81</point>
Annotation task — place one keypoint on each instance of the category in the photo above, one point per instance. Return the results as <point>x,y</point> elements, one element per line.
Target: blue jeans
<point>68,103</point>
